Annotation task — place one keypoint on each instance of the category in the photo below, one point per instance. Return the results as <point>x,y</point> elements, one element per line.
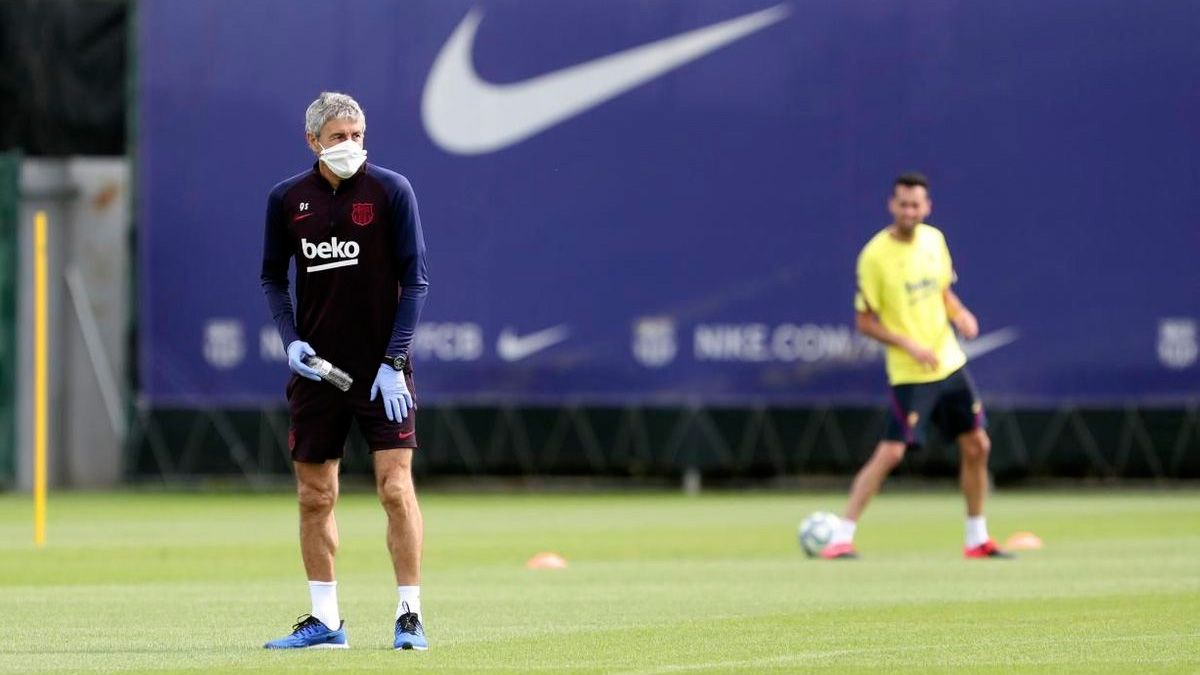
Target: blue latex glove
<point>296,353</point>
<point>396,400</point>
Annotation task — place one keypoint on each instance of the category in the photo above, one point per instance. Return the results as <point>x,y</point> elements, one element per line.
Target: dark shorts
<point>321,415</point>
<point>952,405</point>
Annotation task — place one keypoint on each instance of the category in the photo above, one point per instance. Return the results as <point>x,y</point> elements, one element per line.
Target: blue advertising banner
<point>662,201</point>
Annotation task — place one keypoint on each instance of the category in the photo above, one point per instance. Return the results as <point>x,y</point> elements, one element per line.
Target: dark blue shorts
<point>952,405</point>
<point>320,417</point>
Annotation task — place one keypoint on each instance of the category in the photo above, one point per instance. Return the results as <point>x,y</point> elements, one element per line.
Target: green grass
<point>656,584</point>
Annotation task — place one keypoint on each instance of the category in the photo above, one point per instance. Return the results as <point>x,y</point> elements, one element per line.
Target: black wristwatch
<point>398,363</point>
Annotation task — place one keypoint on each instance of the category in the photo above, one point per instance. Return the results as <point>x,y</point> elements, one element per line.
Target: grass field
<point>657,583</point>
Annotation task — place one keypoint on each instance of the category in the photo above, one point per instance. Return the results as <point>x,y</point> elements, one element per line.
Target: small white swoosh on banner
<point>466,115</point>
<point>990,342</point>
<point>513,347</point>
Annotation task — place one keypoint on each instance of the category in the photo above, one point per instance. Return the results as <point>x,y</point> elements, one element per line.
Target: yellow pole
<point>40,399</point>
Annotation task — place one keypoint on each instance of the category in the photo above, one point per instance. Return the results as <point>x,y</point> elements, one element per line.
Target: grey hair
<point>331,105</point>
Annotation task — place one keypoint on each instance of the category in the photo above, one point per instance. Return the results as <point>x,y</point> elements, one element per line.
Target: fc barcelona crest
<point>363,214</point>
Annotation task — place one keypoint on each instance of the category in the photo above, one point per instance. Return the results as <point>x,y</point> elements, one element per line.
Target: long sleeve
<point>411,270</point>
<point>277,255</point>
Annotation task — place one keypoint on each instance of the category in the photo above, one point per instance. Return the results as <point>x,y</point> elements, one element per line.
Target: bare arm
<point>868,324</point>
<point>960,316</point>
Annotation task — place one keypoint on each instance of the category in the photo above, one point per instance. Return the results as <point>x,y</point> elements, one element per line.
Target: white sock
<point>976,531</point>
<point>324,603</point>
<point>410,601</point>
<point>844,532</point>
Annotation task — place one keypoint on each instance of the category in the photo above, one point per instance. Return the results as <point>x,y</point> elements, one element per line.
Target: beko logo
<point>346,253</point>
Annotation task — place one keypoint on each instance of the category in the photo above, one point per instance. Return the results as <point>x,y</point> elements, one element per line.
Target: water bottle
<point>329,372</point>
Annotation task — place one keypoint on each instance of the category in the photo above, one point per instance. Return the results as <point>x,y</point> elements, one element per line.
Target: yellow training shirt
<point>902,283</point>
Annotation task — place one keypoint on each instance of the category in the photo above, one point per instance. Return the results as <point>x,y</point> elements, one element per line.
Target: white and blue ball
<point>816,531</point>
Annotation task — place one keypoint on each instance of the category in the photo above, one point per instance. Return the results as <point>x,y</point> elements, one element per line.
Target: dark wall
<point>63,84</point>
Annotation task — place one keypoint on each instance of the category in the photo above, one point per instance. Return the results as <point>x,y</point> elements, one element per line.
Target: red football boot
<point>987,549</point>
<point>843,551</point>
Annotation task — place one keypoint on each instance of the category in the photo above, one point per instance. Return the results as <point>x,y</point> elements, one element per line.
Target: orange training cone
<point>546,561</point>
<point>1023,541</point>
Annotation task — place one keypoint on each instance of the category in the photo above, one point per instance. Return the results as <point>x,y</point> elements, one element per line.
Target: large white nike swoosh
<point>990,342</point>
<point>465,115</point>
<point>512,347</point>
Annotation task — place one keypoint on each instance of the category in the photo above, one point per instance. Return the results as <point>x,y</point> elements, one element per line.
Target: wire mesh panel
<point>659,443</point>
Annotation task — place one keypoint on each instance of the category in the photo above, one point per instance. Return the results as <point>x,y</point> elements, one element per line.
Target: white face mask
<point>343,159</point>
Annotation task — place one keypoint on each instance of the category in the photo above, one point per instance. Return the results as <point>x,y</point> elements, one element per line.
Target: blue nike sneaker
<point>409,634</point>
<point>310,633</point>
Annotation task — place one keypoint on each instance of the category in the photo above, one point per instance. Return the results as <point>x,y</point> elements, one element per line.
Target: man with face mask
<point>361,279</point>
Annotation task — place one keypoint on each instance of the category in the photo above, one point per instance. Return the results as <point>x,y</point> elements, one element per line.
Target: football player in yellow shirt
<point>904,301</point>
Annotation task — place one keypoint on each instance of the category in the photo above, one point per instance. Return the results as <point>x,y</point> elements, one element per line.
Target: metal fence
<point>662,443</point>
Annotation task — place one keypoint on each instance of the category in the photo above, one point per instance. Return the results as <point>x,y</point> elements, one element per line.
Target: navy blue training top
<point>361,276</point>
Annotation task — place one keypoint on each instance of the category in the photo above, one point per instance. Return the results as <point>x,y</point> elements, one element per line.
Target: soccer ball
<point>816,531</point>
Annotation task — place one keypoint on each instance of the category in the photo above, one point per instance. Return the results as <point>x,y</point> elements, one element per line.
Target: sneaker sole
<point>328,646</point>
<point>410,648</point>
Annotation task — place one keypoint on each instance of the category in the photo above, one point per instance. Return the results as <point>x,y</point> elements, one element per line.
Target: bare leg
<point>887,455</point>
<point>406,530</point>
<point>317,490</point>
<point>974,447</point>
